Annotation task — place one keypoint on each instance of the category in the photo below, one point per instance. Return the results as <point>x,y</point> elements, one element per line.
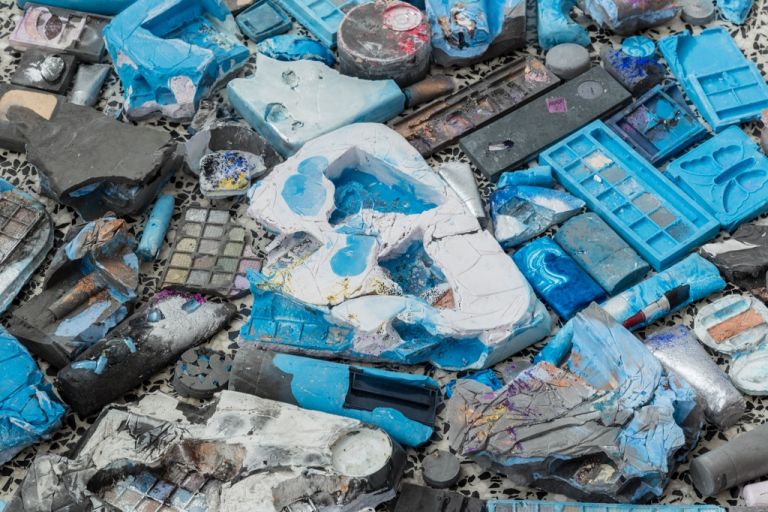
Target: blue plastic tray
<point>655,217</point>
<point>263,20</point>
<point>725,86</point>
<point>659,124</point>
<point>564,506</point>
<point>321,17</point>
<point>727,175</point>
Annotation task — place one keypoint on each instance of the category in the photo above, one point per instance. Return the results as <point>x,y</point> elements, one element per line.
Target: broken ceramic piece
<point>88,82</point>
<point>596,418</point>
<point>31,411</point>
<point>383,40</point>
<point>211,254</point>
<point>48,72</point>
<point>289,48</point>
<point>626,17</point>
<point>376,247</point>
<point>520,213</point>
<point>157,226</point>
<point>263,20</point>
<point>557,278</point>
<point>401,404</point>
<point>146,342</point>
<point>56,30</point>
<point>735,11</point>
<point>538,176</point>
<point>88,289</point>
<point>637,73</point>
<point>170,55</point>
<point>727,175</point>
<point>555,25</point>
<point>92,163</point>
<point>460,178</point>
<point>26,237</point>
<point>679,352</point>
<point>487,377</point>
<point>242,453</point>
<point>228,173</point>
<point>467,31</point>
<point>290,103</point>
<point>602,253</point>
<point>742,258</point>
<point>662,294</point>
<point>109,8</point>
<point>726,87</point>
<point>737,325</point>
<point>201,372</point>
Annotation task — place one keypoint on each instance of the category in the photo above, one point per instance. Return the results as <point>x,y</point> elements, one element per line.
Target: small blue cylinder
<point>156,228</point>
<point>540,176</point>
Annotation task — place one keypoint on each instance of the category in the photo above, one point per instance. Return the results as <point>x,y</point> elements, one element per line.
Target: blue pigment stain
<point>414,270</point>
<point>304,192</point>
<point>350,260</point>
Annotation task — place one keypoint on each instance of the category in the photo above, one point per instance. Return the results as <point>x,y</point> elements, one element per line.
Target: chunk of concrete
<point>602,253</point>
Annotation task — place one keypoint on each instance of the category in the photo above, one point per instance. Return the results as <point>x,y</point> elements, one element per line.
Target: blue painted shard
<point>557,278</point>
<point>403,405</point>
<point>321,17</point>
<point>692,279</point>
<point>290,103</point>
<point>559,506</point>
<point>659,124</point>
<point>106,7</point>
<point>599,419</point>
<point>539,176</point>
<point>171,54</point>
<point>486,377</point>
<point>463,31</point>
<point>30,409</point>
<point>655,217</point>
<point>263,20</point>
<point>726,87</point>
<point>289,47</point>
<point>626,17</point>
<point>555,25</point>
<point>727,175</point>
<point>601,252</point>
<point>520,213</point>
<point>735,11</point>
<point>637,73</point>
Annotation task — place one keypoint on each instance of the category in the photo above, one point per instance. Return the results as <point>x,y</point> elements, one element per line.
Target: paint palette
<point>178,491</point>
<point>727,175</point>
<point>656,218</point>
<point>724,85</point>
<point>659,124</point>
<point>321,17</point>
<point>17,219</point>
<point>211,254</point>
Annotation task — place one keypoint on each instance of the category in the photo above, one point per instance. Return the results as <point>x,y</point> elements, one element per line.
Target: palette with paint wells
<point>727,175</point>
<point>659,124</point>
<point>655,217</point>
<point>211,254</point>
<point>177,491</point>
<point>17,219</point>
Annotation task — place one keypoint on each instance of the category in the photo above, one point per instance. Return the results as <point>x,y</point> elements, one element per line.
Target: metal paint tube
<point>679,352</point>
<point>88,82</point>
<point>459,177</point>
<point>156,228</point>
<point>428,89</point>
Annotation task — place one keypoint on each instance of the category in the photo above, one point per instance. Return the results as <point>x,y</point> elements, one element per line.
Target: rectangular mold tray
<point>727,175</point>
<point>724,85</point>
<point>442,122</point>
<point>659,124</point>
<point>263,20</point>
<point>321,17</point>
<point>210,254</point>
<point>656,218</point>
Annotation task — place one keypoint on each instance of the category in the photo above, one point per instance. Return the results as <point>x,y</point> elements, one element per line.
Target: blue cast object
<point>636,74</point>
<point>555,25</point>
<point>691,280</point>
<point>735,11</point>
<point>727,175</point>
<point>321,17</point>
<point>30,409</point>
<point>726,87</point>
<point>539,176</point>
<point>289,47</point>
<point>655,217</point>
<point>659,124</point>
<point>557,278</point>
<point>169,55</point>
<point>402,404</point>
<point>638,46</point>
<point>105,7</point>
<point>156,228</point>
<point>263,20</point>
<point>572,506</point>
<point>487,377</point>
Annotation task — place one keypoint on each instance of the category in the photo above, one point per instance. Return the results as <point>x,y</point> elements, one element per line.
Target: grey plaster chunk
<point>247,453</point>
<point>698,12</point>
<point>568,60</point>
<point>601,252</point>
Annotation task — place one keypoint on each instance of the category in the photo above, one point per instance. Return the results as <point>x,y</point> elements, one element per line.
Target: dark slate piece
<point>440,469</point>
<point>46,105</point>
<point>509,141</point>
<point>743,258</point>
<point>48,72</point>
<point>602,253</point>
